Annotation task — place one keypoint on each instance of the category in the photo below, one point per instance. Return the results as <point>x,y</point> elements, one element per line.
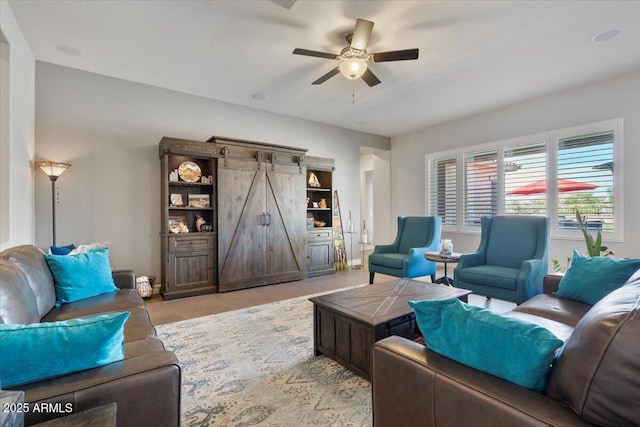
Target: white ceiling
<point>474,55</point>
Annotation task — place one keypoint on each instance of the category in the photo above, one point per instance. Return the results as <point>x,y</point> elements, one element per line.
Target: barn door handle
<point>265,219</point>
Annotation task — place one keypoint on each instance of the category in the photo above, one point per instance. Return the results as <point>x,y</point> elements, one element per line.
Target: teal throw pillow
<point>43,350</point>
<point>512,349</point>
<point>589,279</point>
<point>81,276</point>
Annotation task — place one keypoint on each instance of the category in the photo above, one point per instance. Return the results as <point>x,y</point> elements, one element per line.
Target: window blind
<point>442,190</point>
<point>480,186</point>
<point>587,162</point>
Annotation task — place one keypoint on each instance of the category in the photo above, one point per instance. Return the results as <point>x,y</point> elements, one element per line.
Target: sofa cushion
<point>17,300</point>
<point>509,348</point>
<point>391,260</point>
<point>490,275</point>
<point>43,350</point>
<point>588,279</point>
<point>30,260</point>
<point>596,371</point>
<point>552,307</point>
<point>138,327</point>
<point>81,276</point>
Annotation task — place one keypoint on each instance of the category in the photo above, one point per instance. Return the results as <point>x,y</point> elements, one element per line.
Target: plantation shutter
<point>442,190</point>
<point>480,186</point>
<point>525,186</point>
<point>587,159</point>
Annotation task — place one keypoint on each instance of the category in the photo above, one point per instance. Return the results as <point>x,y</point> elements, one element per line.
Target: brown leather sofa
<point>594,379</point>
<point>145,385</point>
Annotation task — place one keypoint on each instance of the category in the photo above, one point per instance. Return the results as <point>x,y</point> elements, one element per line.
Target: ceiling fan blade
<point>361,34</point>
<point>315,53</point>
<point>396,55</point>
<point>370,78</point>
<point>326,76</point>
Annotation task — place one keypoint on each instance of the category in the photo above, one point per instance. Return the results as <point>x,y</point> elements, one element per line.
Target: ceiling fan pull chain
<point>353,95</point>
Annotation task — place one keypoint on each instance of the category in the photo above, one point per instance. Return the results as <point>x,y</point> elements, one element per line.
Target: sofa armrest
<point>413,386</point>
<point>124,279</point>
<point>551,282</point>
<point>141,386</point>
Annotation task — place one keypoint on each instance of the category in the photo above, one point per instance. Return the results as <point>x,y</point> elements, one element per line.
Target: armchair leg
<point>371,274</point>
<point>433,278</point>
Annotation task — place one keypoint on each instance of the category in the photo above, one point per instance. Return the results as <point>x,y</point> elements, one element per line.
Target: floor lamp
<point>53,171</point>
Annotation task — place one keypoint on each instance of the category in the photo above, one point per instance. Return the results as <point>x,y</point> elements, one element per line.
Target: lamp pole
<point>53,171</point>
<point>53,206</point>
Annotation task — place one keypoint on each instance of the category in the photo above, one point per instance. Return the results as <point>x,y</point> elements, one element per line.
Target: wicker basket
<point>144,286</point>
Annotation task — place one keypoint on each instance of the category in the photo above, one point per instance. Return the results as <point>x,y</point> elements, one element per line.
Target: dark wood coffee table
<point>346,324</point>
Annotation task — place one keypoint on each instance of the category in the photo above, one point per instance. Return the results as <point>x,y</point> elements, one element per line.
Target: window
<point>480,186</point>
<point>585,181</point>
<point>552,174</point>
<point>442,185</point>
<point>525,173</point>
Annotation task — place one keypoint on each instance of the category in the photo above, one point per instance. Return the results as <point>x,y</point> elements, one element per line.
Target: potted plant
<point>594,246</point>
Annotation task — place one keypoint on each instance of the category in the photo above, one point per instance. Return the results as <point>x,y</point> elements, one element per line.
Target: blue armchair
<point>511,261</point>
<point>405,256</point>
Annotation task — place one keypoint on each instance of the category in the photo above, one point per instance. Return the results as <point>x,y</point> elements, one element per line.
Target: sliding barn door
<point>242,252</point>
<point>261,224</point>
<point>286,205</point>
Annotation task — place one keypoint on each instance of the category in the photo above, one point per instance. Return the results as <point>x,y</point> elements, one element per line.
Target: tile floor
<point>162,312</point>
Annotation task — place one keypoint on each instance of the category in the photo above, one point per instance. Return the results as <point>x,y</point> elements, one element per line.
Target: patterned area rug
<point>255,367</point>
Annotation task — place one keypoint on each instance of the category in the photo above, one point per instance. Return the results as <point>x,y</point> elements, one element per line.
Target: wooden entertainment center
<point>234,215</point>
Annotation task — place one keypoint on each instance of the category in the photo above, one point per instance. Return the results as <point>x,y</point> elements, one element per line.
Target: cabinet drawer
<point>320,235</point>
<point>191,243</point>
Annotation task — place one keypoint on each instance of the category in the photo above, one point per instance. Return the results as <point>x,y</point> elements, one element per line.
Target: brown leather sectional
<point>594,380</point>
<point>145,385</point>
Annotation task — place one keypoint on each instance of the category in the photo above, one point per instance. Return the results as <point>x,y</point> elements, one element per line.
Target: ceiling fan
<point>354,59</point>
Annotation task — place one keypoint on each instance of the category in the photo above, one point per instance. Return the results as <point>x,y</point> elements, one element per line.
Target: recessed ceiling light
<point>259,97</point>
<point>69,50</point>
<point>607,35</point>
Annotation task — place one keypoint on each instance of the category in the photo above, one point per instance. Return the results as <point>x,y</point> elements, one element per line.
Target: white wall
<point>18,144</point>
<point>385,227</point>
<point>608,99</point>
<point>109,130</point>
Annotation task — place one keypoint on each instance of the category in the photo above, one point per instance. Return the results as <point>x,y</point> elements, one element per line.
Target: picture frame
<point>175,221</point>
<point>199,200</point>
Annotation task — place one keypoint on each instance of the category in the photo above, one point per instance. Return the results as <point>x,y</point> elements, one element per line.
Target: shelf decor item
<point>189,171</point>
<point>313,181</point>
<point>176,199</point>
<point>199,200</point>
<point>447,247</point>
<point>176,224</point>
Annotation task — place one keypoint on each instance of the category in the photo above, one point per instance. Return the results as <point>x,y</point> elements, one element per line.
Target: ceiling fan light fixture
<point>353,68</point>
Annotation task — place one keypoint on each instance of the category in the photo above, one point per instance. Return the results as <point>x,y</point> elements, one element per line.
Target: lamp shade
<point>353,68</point>
<point>53,169</point>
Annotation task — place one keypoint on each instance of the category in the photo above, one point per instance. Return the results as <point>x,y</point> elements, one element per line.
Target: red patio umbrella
<point>540,187</point>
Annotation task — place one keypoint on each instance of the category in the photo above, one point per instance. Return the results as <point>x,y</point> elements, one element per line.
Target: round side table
<point>436,257</point>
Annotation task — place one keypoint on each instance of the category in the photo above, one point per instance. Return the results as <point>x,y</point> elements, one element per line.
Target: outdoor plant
<point>594,246</point>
